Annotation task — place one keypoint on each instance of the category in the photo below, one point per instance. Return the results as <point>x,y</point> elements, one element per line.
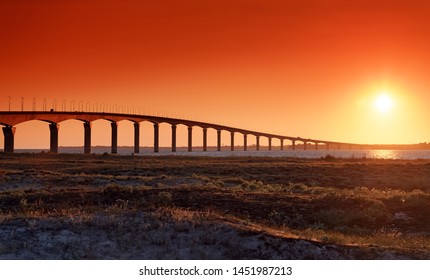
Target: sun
<point>383,103</point>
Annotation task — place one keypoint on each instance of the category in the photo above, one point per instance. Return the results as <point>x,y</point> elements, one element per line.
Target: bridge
<point>10,119</point>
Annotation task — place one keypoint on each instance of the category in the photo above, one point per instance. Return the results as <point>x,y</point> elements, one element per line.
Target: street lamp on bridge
<point>63,105</point>
<point>9,101</point>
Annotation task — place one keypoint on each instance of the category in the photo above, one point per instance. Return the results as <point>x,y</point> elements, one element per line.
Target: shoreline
<point>348,154</point>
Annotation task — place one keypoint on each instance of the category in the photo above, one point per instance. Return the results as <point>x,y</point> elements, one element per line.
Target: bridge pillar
<point>173,137</point>
<point>232,141</point>
<point>270,143</point>
<point>293,144</point>
<point>190,138</point>
<point>136,137</point>
<point>327,146</point>
<point>316,146</point>
<point>218,140</point>
<point>9,138</point>
<point>338,146</point>
<point>245,142</point>
<point>257,142</point>
<point>282,144</point>
<point>304,145</point>
<point>205,139</point>
<point>53,128</point>
<point>156,138</point>
<point>87,137</point>
<point>114,146</point>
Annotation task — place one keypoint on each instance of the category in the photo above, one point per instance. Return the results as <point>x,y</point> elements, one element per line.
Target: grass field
<point>142,207</point>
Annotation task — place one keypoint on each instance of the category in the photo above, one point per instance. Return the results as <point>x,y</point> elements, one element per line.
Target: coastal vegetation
<point>133,207</point>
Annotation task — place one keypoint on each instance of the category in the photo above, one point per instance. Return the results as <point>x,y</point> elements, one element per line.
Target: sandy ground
<point>154,236</point>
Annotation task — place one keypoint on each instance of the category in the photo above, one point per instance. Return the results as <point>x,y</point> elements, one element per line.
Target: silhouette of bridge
<point>10,119</point>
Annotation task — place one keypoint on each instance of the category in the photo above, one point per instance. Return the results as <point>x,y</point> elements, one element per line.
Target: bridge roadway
<point>10,119</point>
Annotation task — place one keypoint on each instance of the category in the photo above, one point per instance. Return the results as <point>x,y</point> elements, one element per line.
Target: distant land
<point>419,146</point>
<point>310,146</point>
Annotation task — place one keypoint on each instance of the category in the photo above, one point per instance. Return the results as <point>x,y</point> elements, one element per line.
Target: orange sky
<point>308,68</point>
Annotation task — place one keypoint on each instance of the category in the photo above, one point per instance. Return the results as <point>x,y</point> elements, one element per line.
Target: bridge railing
<point>64,105</point>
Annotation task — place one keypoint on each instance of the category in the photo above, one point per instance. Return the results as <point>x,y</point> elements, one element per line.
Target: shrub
<point>114,188</point>
<point>417,200</point>
<point>334,217</point>
<point>387,232</point>
<point>164,198</point>
<point>252,185</point>
<point>356,211</point>
<point>298,188</point>
<point>293,219</point>
<point>201,177</point>
<point>328,157</point>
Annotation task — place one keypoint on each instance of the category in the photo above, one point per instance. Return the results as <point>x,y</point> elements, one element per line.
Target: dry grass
<point>365,208</point>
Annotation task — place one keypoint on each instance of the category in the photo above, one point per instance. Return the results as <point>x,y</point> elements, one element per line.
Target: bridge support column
<point>173,137</point>
<point>136,138</point>
<point>218,140</point>
<point>232,141</point>
<point>9,138</point>
<point>156,138</point>
<point>205,139</point>
<point>87,137</point>
<point>114,145</point>
<point>327,146</point>
<point>282,144</point>
<point>270,143</point>
<point>257,140</point>
<point>53,128</point>
<point>190,138</point>
<point>338,146</point>
<point>293,145</point>
<point>304,145</point>
<point>316,146</point>
<point>245,142</point>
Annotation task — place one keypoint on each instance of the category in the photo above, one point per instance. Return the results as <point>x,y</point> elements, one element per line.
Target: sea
<point>226,152</point>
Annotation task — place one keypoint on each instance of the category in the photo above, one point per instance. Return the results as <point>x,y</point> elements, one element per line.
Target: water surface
<point>377,154</point>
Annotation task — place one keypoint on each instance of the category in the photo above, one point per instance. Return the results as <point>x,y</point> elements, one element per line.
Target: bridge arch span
<point>67,135</point>
<point>32,134</point>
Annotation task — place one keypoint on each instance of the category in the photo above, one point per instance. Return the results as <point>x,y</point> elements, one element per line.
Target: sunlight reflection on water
<point>387,154</point>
